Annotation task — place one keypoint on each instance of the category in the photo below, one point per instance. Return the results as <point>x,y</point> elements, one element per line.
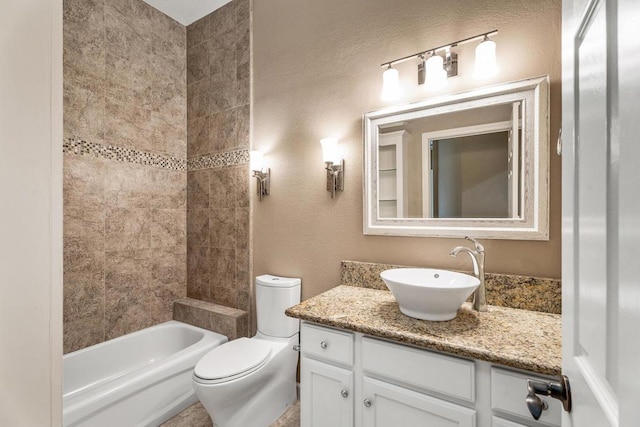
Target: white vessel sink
<point>429,294</point>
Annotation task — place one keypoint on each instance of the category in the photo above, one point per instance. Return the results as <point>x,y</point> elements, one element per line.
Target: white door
<point>601,211</point>
<point>326,395</point>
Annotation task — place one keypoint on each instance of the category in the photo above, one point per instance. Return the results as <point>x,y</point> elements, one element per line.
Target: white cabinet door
<point>326,395</point>
<point>387,405</point>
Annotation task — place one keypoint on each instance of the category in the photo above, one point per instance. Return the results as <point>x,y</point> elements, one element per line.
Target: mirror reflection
<point>456,165</point>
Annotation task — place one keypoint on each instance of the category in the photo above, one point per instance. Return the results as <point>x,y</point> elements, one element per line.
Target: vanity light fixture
<point>334,164</point>
<point>258,171</point>
<point>440,64</point>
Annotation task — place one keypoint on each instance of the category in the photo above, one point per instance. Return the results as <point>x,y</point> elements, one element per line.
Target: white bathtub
<point>140,379</point>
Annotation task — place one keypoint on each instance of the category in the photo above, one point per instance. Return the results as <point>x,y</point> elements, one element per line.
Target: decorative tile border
<point>128,155</point>
<point>121,154</point>
<point>229,158</point>
<point>523,292</point>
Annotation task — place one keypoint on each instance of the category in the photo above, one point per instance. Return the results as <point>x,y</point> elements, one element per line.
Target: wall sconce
<point>442,63</point>
<point>334,165</point>
<point>259,172</point>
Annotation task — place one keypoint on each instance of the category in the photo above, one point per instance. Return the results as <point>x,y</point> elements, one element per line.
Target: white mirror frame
<point>534,223</point>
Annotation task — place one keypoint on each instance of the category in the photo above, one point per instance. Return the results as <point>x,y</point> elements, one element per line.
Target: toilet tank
<point>273,296</point>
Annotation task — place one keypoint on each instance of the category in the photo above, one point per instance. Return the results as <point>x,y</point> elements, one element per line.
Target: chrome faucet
<point>477,258</point>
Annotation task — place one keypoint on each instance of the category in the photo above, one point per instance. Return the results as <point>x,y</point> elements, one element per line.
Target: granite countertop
<point>520,339</point>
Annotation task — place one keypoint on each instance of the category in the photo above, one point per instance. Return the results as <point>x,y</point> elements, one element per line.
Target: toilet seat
<point>232,360</point>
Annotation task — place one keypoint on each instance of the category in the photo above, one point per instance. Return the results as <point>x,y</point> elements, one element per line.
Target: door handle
<point>560,390</point>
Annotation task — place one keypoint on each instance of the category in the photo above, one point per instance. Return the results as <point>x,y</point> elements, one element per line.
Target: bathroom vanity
<point>363,363</point>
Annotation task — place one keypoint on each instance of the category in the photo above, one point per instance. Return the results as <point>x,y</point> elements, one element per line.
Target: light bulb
<point>256,159</point>
<point>330,150</point>
<point>436,75</point>
<point>390,84</point>
<point>486,64</point>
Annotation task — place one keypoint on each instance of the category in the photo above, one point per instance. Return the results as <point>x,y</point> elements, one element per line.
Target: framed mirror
<point>475,163</point>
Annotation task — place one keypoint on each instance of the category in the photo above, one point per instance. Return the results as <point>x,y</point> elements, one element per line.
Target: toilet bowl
<point>250,382</point>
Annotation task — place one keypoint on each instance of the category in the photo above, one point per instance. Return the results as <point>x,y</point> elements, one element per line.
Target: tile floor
<point>196,416</point>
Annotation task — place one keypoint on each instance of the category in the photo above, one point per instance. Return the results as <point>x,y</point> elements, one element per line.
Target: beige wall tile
<point>128,126</point>
<point>127,185</point>
<point>243,126</point>
<point>223,95</point>
<point>243,76</point>
<point>198,62</point>
<point>222,228</point>
<point>221,276</point>
<point>199,31</point>
<point>135,13</point>
<point>84,240</point>
<point>83,106</point>
<point>223,130</point>
<point>127,229</point>
<point>222,57</point>
<point>198,137</point>
<point>222,21</point>
<point>243,183</point>
<point>84,293</point>
<point>242,278</point>
<point>198,273</point>
<point>169,267</point>
<point>168,228</point>
<point>222,188</point>
<point>242,216</point>
<point>197,228</point>
<point>83,332</point>
<point>128,294</point>
<point>199,98</point>
<point>84,183</point>
<point>168,189</point>
<point>243,30</point>
<point>198,189</point>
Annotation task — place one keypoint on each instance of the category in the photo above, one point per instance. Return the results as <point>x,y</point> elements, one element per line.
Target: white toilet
<point>250,382</point>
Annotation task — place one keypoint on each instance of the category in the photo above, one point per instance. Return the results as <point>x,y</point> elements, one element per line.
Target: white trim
<point>56,230</point>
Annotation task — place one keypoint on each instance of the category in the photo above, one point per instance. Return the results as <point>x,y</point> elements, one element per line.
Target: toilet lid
<point>233,359</point>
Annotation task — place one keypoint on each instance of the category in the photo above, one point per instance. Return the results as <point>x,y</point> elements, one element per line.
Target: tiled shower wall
<point>124,168</point>
<point>126,226</point>
<point>217,152</point>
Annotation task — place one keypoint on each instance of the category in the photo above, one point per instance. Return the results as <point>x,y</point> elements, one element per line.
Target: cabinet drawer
<point>508,393</point>
<point>423,369</point>
<point>327,344</point>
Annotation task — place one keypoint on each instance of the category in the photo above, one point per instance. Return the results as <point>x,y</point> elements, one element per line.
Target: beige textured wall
<point>316,70</point>
<point>124,222</point>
